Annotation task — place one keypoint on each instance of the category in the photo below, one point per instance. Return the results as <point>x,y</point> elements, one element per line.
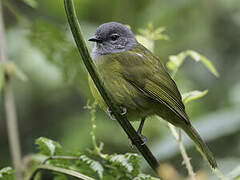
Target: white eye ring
<point>114,37</point>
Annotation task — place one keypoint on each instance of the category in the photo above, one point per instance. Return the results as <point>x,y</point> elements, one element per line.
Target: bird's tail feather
<point>201,145</point>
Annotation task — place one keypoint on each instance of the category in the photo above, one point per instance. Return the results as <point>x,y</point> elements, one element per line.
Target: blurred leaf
<point>61,52</point>
<point>175,61</point>
<point>48,147</point>
<point>7,173</point>
<point>32,3</point>
<point>235,174</point>
<point>153,34</point>
<point>193,95</point>
<point>147,36</point>
<point>209,65</point>
<point>149,44</point>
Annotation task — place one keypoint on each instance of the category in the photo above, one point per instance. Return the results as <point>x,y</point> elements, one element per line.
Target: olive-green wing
<point>150,77</point>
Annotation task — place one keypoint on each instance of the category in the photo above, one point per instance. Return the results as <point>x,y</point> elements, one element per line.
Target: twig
<point>59,170</point>
<point>11,115</point>
<point>186,159</point>
<point>126,125</point>
<point>96,149</point>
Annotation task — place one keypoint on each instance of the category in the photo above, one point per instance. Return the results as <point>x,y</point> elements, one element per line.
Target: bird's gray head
<point>112,37</point>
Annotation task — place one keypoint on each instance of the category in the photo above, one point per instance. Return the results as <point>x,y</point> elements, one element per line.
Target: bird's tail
<point>201,145</point>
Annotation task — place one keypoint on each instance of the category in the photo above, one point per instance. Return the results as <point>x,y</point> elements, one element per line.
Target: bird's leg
<point>110,114</point>
<point>139,131</point>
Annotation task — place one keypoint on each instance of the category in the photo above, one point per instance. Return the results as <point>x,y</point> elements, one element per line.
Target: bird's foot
<point>144,139</point>
<point>124,110</point>
<point>110,114</point>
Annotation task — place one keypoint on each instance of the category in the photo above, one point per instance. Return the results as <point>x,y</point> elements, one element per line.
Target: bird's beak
<point>95,39</point>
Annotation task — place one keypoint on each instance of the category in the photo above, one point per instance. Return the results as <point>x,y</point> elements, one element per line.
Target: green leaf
<point>128,161</point>
<point>145,42</point>
<point>152,34</point>
<point>193,95</point>
<point>94,165</point>
<point>209,65</point>
<point>32,3</point>
<point>48,147</point>
<point>175,61</point>
<point>7,173</point>
<point>235,174</point>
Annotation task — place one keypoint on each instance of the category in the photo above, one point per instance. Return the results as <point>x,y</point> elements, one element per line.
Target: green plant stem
<point>59,170</point>
<point>183,151</point>
<point>126,125</point>
<point>60,157</point>
<point>92,109</point>
<point>9,103</point>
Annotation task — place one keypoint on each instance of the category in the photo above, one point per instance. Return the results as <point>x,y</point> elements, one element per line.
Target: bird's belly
<point>124,95</point>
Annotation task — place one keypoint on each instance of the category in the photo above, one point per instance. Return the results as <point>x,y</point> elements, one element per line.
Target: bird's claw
<point>144,139</point>
<point>124,110</point>
<point>110,114</point>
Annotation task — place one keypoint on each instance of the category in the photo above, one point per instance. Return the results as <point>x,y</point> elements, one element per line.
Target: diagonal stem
<point>126,125</point>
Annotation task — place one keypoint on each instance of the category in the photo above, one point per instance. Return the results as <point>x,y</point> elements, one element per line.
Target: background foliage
<point>51,102</point>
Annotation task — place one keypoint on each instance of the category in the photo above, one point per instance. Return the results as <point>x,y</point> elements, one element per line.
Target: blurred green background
<point>51,103</point>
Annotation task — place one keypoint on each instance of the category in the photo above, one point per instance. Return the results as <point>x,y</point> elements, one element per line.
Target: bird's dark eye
<point>114,37</point>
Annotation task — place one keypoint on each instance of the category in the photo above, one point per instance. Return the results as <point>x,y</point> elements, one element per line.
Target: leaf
<point>128,161</point>
<point>175,61</point>
<point>32,3</point>
<point>48,147</point>
<point>209,65</point>
<point>194,55</point>
<point>145,42</point>
<point>152,34</point>
<point>7,173</point>
<point>193,95</point>
<point>94,165</point>
<point>235,174</point>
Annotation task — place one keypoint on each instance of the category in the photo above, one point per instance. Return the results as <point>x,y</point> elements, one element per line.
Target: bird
<point>138,82</point>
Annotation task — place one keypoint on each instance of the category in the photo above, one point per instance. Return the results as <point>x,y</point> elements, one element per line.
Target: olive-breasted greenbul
<point>138,82</point>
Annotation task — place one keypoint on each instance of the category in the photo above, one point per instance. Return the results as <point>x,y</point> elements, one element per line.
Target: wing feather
<point>149,76</point>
